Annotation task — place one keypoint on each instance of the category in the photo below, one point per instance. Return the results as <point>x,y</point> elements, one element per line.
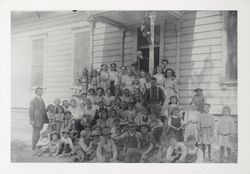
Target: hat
<point>66,130</point>
<point>197,89</point>
<point>123,123</point>
<point>95,133</point>
<point>107,131</point>
<point>132,124</point>
<point>144,125</point>
<point>86,125</point>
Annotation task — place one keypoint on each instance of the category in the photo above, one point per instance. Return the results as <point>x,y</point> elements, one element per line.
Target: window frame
<point>225,81</point>
<point>43,36</point>
<point>74,31</point>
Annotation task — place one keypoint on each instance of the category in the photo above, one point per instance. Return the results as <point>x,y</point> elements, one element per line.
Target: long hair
<point>169,69</point>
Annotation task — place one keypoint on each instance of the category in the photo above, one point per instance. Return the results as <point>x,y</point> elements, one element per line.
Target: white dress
<point>191,121</point>
<point>225,129</point>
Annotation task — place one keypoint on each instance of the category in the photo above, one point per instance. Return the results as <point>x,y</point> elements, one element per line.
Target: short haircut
<point>38,88</point>
<point>153,78</point>
<point>164,60</point>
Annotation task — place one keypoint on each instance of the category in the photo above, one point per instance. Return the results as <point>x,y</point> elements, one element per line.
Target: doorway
<point>143,46</point>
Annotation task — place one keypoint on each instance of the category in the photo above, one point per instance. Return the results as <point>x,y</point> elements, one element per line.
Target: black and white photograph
<point>124,86</point>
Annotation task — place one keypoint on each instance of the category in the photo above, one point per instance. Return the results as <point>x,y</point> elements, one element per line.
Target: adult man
<point>38,116</point>
<point>164,64</point>
<point>154,97</point>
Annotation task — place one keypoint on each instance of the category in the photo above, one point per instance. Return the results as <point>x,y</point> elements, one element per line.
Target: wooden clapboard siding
<point>59,58</point>
<point>107,46</point>
<point>201,59</point>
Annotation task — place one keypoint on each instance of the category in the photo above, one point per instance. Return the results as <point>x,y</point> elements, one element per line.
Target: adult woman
<point>127,80</point>
<point>104,77</point>
<point>169,85</point>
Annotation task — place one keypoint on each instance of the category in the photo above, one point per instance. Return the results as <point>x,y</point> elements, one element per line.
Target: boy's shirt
<point>67,141</point>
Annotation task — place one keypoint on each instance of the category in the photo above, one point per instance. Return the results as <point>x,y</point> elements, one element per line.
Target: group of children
<point>107,120</point>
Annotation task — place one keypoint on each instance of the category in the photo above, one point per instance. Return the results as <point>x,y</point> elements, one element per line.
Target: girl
<point>84,80</point>
<point>159,77</point>
<point>127,96</point>
<point>130,113</point>
<point>136,85</point>
<point>192,154</point>
<point>122,110</point>
<point>51,114</point>
<point>88,114</point>
<point>139,105</point>
<point>65,105</point>
<point>58,119</point>
<point>175,124</point>
<point>114,77</point>
<point>67,119</point>
<point>91,95</point>
<point>54,144</point>
<point>106,150</point>
<point>172,103</point>
<point>100,95</point>
<point>57,102</point>
<point>225,132</point>
<point>206,128</point>
<point>74,109</point>
<point>169,85</point>
<point>198,99</point>
<point>43,144</point>
<point>175,150</point>
<point>127,80</point>
<point>142,117</point>
<point>104,77</point>
<point>94,80</point>
<point>108,98</point>
<point>112,116</point>
<point>191,122</point>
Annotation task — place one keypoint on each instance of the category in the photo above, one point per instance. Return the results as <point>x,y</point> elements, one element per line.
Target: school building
<point>49,49</point>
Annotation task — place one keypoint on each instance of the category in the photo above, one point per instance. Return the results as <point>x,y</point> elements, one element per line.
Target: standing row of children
<point>107,120</point>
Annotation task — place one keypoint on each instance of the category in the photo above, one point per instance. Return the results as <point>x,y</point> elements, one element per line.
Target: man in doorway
<point>154,97</point>
<point>38,116</point>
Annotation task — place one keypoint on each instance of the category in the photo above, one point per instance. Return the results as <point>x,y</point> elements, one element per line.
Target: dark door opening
<point>143,46</point>
<point>144,63</point>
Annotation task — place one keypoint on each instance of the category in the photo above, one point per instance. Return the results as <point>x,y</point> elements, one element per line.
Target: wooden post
<point>162,40</point>
<point>152,45</point>
<point>178,35</point>
<point>123,33</point>
<point>91,44</point>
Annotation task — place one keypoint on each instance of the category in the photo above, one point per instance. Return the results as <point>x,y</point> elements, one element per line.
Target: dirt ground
<point>21,145</point>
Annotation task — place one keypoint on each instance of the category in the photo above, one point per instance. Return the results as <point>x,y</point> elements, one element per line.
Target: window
<point>37,68</point>
<point>231,64</point>
<point>81,52</point>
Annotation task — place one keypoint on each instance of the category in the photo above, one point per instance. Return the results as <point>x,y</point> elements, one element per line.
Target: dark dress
<point>176,122</point>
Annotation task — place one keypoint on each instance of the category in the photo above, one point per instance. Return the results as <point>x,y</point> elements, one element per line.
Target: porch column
<point>152,17</point>
<point>92,23</point>
<point>178,46</point>
<point>123,33</point>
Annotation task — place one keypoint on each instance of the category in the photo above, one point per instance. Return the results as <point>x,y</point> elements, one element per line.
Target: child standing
<point>175,124</point>
<point>206,128</point>
<point>58,119</point>
<point>191,122</point>
<point>159,77</point>
<point>51,114</point>
<point>198,99</point>
<point>225,132</point>
<point>104,77</point>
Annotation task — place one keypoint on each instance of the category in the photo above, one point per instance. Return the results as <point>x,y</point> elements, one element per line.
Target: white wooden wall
<point>200,59</point>
<point>59,59</point>
<point>107,46</point>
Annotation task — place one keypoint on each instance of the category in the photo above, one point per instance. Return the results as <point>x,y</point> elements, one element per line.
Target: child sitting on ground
<point>43,144</point>
<point>66,144</point>
<point>106,150</point>
<point>192,154</point>
<point>175,150</point>
<point>54,144</point>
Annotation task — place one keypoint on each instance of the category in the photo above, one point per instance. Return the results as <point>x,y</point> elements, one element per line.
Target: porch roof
<point>122,19</point>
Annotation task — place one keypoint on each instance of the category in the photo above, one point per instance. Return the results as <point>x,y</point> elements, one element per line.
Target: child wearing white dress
<point>225,132</point>
<point>104,77</point>
<point>206,127</point>
<point>159,77</point>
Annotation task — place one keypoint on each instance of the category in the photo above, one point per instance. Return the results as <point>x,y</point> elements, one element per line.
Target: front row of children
<point>184,141</point>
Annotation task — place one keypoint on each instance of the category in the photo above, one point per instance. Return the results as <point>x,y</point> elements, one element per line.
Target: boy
<point>198,99</point>
<point>66,144</point>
